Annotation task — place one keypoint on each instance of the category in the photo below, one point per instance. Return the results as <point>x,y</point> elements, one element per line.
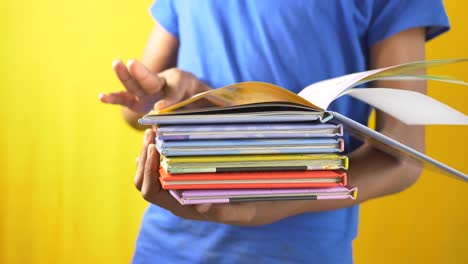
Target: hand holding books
<point>245,213</point>
<point>281,111</point>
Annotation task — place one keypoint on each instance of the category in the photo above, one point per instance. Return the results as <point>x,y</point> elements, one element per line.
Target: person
<point>201,45</point>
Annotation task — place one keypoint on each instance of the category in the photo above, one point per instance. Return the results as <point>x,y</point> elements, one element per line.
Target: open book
<point>259,102</point>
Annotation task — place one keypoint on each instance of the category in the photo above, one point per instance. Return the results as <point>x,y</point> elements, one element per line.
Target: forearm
<point>377,174</point>
<point>374,173</point>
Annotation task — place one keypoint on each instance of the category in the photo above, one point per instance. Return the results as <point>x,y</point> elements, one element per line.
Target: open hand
<point>145,90</point>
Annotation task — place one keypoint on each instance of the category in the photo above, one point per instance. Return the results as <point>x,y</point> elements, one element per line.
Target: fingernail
<point>203,208</point>
<point>102,98</point>
<point>130,61</point>
<point>115,62</point>
<point>159,105</point>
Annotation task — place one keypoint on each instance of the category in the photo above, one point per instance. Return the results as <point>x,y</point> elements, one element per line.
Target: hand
<point>145,90</point>
<point>248,213</point>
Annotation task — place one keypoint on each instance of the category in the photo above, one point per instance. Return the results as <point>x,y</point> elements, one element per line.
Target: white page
<point>410,107</point>
<point>413,77</point>
<point>323,93</point>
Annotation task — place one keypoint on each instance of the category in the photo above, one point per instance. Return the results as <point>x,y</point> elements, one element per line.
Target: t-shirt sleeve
<point>393,16</point>
<point>164,12</point>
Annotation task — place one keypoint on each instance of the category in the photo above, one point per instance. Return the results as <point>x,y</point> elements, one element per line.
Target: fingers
<point>151,187</point>
<point>242,213</point>
<point>203,208</point>
<point>172,95</point>
<point>148,139</point>
<point>122,98</point>
<point>146,178</point>
<point>126,78</point>
<point>149,82</point>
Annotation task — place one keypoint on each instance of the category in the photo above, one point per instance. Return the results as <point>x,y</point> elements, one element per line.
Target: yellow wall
<point>428,222</point>
<point>66,165</point>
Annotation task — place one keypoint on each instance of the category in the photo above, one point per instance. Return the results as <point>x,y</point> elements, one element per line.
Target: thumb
<point>164,103</point>
<point>172,96</point>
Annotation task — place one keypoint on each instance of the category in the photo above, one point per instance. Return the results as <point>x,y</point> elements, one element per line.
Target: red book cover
<point>244,180</point>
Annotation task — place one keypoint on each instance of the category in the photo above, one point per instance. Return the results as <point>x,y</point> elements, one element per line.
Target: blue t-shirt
<point>290,44</point>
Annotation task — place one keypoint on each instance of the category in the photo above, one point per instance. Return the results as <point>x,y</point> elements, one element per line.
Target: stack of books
<point>255,141</point>
<point>220,163</point>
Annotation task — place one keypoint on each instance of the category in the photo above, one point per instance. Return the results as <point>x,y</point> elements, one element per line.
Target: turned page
<point>410,107</point>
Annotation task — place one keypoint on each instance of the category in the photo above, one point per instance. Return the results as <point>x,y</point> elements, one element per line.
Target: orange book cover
<point>234,180</point>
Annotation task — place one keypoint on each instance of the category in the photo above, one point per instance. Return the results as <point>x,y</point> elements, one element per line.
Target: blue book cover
<point>241,147</point>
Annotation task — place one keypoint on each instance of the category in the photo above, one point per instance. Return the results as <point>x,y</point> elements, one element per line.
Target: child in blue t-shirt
<point>201,45</point>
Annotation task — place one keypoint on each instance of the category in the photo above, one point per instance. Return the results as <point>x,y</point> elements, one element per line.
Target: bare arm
<point>374,172</point>
<point>394,175</point>
<point>161,50</point>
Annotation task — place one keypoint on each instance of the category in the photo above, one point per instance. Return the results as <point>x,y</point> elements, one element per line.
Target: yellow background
<point>67,161</point>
